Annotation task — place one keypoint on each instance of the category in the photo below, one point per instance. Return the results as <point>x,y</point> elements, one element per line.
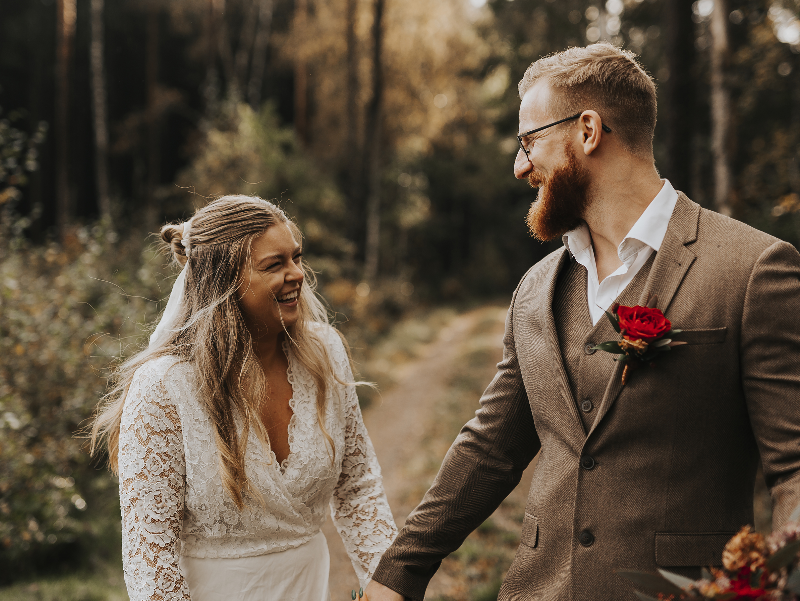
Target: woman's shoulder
<point>162,378</point>
<point>159,369</point>
<point>327,334</point>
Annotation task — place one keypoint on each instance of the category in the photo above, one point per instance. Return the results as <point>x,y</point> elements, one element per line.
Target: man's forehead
<point>534,106</point>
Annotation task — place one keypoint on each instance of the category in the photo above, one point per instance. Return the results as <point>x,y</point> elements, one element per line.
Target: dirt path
<point>398,427</point>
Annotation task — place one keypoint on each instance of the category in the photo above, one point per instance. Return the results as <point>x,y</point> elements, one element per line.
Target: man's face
<point>552,166</point>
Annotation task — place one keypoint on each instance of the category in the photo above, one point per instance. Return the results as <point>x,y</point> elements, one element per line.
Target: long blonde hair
<point>211,334</point>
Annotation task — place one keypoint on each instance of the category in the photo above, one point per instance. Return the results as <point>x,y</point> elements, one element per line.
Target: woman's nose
<point>295,272</point>
<point>522,165</point>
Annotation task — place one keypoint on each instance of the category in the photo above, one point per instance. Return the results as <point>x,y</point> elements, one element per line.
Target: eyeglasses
<point>531,142</point>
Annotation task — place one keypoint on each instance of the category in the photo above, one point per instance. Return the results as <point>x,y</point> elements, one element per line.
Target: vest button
<point>587,406</point>
<point>588,349</point>
<point>586,538</point>
<point>587,462</point>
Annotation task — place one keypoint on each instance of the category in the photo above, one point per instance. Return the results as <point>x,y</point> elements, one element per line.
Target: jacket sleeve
<point>152,475</point>
<point>484,464</point>
<point>770,359</point>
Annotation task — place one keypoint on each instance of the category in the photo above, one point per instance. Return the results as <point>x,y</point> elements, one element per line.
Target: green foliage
<point>248,152</point>
<point>19,155</point>
<point>66,313</point>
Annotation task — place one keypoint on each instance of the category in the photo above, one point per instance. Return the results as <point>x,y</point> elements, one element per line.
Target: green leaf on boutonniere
<point>673,332</point>
<point>677,343</point>
<point>623,359</point>
<point>783,556</point>
<point>614,321</point>
<point>609,347</point>
<point>706,575</point>
<point>662,342</point>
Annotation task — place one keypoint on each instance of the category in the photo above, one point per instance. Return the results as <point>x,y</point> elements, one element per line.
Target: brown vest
<point>576,334</point>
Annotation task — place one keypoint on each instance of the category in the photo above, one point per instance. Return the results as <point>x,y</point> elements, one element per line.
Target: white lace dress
<point>179,525</point>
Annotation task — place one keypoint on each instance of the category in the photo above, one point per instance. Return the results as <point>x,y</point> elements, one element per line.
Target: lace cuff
<point>359,507</point>
<point>152,483</point>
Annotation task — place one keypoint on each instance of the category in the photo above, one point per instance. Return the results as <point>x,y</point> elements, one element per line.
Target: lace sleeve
<point>359,507</point>
<point>152,481</point>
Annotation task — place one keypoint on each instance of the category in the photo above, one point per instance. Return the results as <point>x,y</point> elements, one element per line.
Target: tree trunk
<point>247,40</point>
<point>301,76</point>
<point>679,93</point>
<point>65,23</point>
<point>721,108</point>
<point>354,165</point>
<point>99,111</point>
<point>373,133</point>
<point>260,48</point>
<point>153,154</point>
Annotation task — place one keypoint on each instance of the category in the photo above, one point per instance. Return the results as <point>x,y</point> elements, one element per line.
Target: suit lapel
<point>671,264</point>
<point>545,316</point>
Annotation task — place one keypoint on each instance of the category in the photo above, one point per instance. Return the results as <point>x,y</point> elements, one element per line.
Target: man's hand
<point>378,592</point>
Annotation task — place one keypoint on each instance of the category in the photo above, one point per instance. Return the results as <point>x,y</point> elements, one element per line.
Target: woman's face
<point>269,295</point>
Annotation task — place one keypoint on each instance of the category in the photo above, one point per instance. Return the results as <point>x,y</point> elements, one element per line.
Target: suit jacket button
<point>587,406</point>
<point>588,348</point>
<point>587,462</point>
<point>586,538</point>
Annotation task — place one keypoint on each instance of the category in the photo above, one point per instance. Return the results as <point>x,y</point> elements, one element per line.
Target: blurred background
<point>387,129</point>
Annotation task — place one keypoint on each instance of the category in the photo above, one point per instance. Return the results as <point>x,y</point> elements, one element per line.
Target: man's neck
<point>619,197</point>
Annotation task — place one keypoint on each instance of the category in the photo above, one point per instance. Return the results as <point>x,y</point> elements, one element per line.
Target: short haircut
<point>606,79</point>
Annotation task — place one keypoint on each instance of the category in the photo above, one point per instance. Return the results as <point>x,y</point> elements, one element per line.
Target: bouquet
<point>755,568</point>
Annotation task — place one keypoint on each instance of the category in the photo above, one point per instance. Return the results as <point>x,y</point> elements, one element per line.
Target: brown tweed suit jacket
<point>674,452</point>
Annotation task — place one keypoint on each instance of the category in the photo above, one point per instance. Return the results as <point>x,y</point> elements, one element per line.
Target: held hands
<point>379,592</point>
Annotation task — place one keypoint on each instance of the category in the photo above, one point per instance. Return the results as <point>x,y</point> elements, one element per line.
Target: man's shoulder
<point>722,231</point>
<point>540,274</point>
<point>731,245</point>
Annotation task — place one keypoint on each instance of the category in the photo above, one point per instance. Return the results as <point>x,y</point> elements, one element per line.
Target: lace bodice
<point>171,493</point>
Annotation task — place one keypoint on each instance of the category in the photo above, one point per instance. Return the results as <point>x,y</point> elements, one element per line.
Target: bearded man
<point>655,472</point>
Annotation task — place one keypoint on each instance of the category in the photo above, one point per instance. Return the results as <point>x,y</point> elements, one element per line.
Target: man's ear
<point>591,131</point>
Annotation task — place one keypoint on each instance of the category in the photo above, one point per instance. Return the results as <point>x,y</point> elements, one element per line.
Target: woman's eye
<point>297,257</point>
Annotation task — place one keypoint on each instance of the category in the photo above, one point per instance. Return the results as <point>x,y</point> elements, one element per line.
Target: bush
<point>66,313</point>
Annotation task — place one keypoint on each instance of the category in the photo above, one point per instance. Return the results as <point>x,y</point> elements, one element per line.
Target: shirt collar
<point>649,229</point>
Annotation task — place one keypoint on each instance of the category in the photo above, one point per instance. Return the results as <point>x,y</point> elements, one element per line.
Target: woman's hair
<point>210,333</point>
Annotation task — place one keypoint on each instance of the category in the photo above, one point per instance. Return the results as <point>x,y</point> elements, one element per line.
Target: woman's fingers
<point>362,596</point>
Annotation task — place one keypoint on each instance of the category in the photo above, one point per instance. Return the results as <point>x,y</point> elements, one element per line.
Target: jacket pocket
<point>706,336</point>
<point>679,550</point>
<point>530,531</point>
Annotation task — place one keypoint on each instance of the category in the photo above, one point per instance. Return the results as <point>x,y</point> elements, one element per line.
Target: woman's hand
<point>362,596</point>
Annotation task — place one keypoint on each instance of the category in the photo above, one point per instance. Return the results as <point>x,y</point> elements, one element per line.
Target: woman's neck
<point>268,349</point>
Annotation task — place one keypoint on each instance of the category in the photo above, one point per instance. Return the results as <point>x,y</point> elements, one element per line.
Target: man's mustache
<point>535,180</point>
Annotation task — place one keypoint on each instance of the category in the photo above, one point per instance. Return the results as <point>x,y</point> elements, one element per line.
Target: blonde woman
<point>239,425</point>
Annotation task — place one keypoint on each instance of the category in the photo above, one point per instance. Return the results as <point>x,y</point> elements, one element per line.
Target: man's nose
<point>522,165</point>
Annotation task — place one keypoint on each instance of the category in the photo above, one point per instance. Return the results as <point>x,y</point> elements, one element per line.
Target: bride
<point>239,425</point>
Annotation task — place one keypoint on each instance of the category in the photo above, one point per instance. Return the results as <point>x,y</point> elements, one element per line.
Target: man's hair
<point>606,79</point>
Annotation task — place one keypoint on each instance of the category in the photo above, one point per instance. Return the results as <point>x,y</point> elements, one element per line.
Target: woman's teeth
<point>287,298</point>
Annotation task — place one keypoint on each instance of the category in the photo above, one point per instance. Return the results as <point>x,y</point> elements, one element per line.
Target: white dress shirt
<point>644,238</point>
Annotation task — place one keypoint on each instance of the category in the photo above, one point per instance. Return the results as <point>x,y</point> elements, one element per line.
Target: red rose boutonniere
<point>646,333</point>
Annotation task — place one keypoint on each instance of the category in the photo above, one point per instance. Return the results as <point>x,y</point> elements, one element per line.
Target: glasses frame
<point>606,129</point>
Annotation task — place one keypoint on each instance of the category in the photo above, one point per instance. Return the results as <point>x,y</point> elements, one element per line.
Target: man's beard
<point>562,200</point>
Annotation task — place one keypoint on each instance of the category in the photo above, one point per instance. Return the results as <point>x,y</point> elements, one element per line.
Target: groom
<point>656,473</point>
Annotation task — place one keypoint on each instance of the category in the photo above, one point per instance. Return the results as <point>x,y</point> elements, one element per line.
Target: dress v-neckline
<point>282,466</point>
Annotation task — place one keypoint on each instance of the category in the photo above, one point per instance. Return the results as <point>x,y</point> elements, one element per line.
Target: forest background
<point>385,127</point>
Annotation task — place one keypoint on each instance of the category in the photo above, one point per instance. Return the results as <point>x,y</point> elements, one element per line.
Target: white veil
<point>168,319</point>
